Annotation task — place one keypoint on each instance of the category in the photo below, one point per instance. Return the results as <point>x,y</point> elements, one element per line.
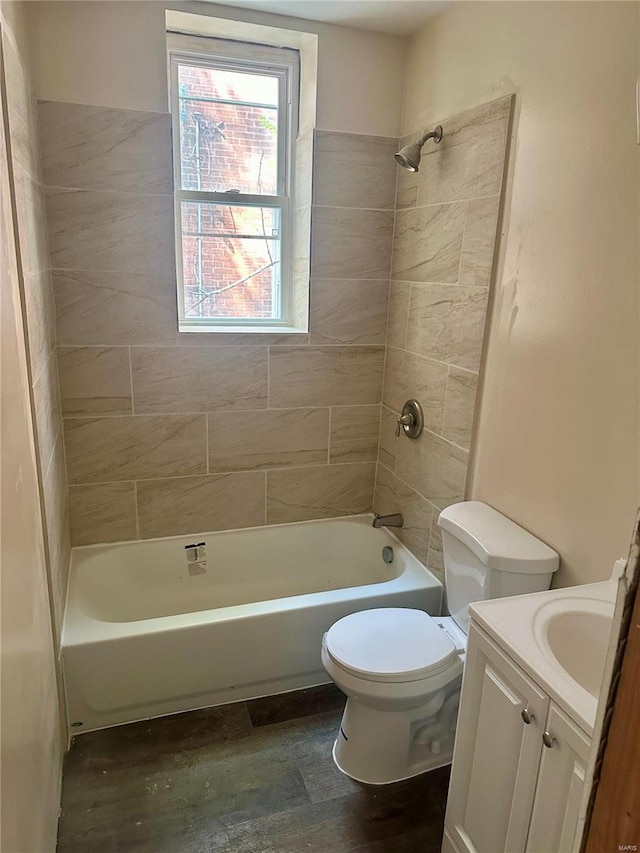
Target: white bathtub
<point>143,637</point>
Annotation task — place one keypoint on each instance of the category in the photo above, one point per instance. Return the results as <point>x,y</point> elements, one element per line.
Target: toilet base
<point>444,763</point>
<point>379,747</point>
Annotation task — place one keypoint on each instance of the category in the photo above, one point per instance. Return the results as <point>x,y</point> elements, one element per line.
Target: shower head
<point>409,156</point>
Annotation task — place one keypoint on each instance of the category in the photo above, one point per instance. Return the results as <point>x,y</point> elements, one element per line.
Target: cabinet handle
<point>527,716</point>
<point>548,740</point>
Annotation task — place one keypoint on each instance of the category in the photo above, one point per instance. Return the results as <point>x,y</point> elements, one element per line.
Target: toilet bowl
<point>401,669</point>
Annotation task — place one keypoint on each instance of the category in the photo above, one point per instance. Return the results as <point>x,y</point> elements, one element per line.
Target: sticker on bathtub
<point>196,558</point>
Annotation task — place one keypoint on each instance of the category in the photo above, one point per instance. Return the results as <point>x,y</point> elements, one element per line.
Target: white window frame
<point>283,63</point>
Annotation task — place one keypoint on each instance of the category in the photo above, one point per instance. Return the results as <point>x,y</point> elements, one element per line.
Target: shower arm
<point>436,135</point>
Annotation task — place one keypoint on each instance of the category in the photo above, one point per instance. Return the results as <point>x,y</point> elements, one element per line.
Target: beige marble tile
<point>268,439</point>
<point>433,467</point>
<point>354,434</point>
<point>94,230</point>
<point>200,504</point>
<point>102,513</point>
<point>388,441</point>
<point>46,397</point>
<point>392,495</point>
<point>479,241</point>
<point>114,308</point>
<point>107,450</point>
<point>236,339</point>
<point>354,170</point>
<point>20,109</point>
<point>411,377</point>
<point>198,379</point>
<point>94,380</point>
<point>326,491</point>
<point>435,557</point>
<point>348,311</point>
<point>325,376</point>
<point>446,322</point>
<point>57,526</point>
<point>459,406</point>
<point>398,313</point>
<point>469,162</point>
<point>32,223</point>
<point>103,148</point>
<point>348,243</point>
<point>41,318</point>
<point>428,243</point>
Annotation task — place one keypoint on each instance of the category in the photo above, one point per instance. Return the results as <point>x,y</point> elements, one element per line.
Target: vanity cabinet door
<point>560,783</point>
<point>497,753</point>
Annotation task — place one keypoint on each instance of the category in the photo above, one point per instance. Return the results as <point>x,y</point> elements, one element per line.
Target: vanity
<point>529,697</point>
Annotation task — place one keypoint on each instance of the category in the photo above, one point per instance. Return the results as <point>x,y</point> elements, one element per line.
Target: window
<point>234,109</point>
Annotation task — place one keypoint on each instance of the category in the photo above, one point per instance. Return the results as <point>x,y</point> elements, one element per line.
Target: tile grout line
<point>206,442</point>
<point>464,200</point>
<point>406,325</point>
<point>137,514</point>
<point>213,347</point>
<point>464,231</point>
<point>266,500</point>
<point>386,343</point>
<point>444,405</point>
<point>412,488</point>
<point>268,377</point>
<point>435,360</point>
<point>219,473</point>
<point>229,412</point>
<point>133,410</point>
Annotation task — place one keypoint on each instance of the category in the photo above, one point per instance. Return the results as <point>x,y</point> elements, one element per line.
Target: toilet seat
<point>390,645</point>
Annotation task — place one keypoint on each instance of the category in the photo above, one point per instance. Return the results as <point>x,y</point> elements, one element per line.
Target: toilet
<point>401,669</point>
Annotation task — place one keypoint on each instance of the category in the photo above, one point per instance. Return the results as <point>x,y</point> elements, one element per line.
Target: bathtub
<point>148,633</point>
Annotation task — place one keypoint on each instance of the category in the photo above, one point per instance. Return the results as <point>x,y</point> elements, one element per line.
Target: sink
<point>560,638</point>
<point>574,632</point>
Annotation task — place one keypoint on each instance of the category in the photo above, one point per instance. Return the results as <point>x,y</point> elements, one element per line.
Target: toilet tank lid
<point>497,542</point>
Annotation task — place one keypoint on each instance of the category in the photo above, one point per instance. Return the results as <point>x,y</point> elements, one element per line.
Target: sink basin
<point>575,633</point>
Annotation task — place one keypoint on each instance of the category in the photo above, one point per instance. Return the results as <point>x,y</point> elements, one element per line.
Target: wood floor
<point>253,777</point>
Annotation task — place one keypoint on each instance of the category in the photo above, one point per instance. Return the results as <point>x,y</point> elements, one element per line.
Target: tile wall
<point>40,331</point>
<point>443,249</point>
<point>170,433</point>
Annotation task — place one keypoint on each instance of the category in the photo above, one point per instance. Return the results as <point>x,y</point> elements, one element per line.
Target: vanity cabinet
<point>518,765</point>
<point>559,788</point>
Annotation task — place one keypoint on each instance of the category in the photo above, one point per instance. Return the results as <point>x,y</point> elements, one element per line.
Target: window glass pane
<point>228,130</point>
<point>231,261</point>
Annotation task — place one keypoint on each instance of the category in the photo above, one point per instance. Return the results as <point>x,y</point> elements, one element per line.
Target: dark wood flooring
<point>253,777</point>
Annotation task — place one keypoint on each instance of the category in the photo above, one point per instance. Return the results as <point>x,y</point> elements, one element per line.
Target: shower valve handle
<point>404,420</point>
<point>411,420</point>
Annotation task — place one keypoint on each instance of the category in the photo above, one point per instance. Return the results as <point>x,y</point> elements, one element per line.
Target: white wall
<point>30,727</point>
<point>557,444</point>
<point>113,54</point>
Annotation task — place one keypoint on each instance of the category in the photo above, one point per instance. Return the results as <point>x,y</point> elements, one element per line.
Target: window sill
<point>243,330</point>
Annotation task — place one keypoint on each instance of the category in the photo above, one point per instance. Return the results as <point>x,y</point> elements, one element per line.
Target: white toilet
<point>401,669</point>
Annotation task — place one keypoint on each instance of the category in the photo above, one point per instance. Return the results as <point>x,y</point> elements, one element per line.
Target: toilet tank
<point>486,555</point>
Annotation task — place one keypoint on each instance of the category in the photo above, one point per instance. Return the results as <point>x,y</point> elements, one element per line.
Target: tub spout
<point>394,520</point>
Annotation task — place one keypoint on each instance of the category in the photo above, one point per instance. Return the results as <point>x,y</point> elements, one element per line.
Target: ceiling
<point>401,17</point>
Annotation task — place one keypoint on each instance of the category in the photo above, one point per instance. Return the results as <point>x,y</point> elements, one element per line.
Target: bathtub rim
<point>79,629</point>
